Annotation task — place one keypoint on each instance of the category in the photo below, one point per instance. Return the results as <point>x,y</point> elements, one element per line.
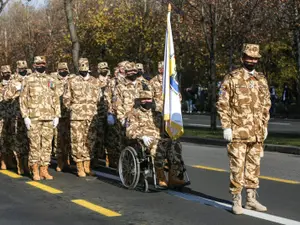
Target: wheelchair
<point>136,165</point>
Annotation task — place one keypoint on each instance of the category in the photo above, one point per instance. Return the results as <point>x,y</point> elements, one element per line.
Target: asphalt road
<point>97,200</point>
<point>275,125</point>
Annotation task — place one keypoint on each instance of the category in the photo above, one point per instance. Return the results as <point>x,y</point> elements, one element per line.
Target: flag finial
<point>169,7</point>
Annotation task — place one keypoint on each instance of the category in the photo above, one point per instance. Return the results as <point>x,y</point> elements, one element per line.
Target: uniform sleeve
<point>11,91</point>
<point>223,104</point>
<point>157,96</point>
<point>67,95</point>
<point>132,127</point>
<point>119,104</point>
<point>24,100</point>
<point>266,105</point>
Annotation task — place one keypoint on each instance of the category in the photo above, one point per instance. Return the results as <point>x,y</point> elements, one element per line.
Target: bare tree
<point>73,33</point>
<point>3,3</point>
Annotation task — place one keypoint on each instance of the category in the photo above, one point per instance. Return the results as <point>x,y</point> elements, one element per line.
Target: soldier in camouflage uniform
<point>102,109</point>
<point>12,93</point>
<point>113,138</point>
<point>62,137</point>
<point>243,106</point>
<point>141,124</point>
<point>82,97</point>
<point>40,108</point>
<point>7,121</point>
<point>172,149</point>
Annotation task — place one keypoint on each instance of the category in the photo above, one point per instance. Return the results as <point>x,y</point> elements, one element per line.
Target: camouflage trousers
<point>40,142</point>
<point>8,136</point>
<point>63,138</point>
<point>114,143</point>
<point>83,137</point>
<point>172,152</point>
<point>99,150</point>
<point>244,161</point>
<point>22,141</point>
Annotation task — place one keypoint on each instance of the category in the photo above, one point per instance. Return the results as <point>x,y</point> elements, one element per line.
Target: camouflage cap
<point>22,64</point>
<point>62,66</point>
<point>130,66</point>
<point>39,59</point>
<point>103,65</point>
<point>5,69</point>
<point>140,66</point>
<point>145,94</point>
<point>84,64</point>
<point>161,65</point>
<point>122,64</point>
<point>251,50</point>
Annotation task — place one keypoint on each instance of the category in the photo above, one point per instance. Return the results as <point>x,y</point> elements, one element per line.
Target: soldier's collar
<point>247,74</point>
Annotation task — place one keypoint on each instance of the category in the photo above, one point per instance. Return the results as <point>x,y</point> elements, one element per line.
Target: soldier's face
<point>40,67</point>
<point>161,70</point>
<point>249,62</point>
<point>63,72</point>
<point>6,75</point>
<point>23,72</point>
<point>147,103</point>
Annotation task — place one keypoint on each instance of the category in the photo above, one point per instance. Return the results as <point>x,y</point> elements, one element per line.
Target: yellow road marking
<point>96,208</point>
<point>261,177</point>
<point>10,174</point>
<point>209,168</point>
<point>44,187</point>
<point>280,180</point>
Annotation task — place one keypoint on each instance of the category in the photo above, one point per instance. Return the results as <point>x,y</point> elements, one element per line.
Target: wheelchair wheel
<point>129,168</point>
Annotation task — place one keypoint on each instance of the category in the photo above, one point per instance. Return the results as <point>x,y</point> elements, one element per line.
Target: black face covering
<point>147,105</point>
<point>104,73</point>
<point>6,76</point>
<point>23,73</point>
<point>64,73</point>
<point>249,66</point>
<point>41,69</point>
<point>83,73</point>
<point>132,77</point>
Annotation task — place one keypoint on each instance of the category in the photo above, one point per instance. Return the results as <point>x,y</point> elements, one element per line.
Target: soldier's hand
<point>55,122</point>
<point>227,134</point>
<point>147,140</point>
<point>110,119</point>
<point>27,122</point>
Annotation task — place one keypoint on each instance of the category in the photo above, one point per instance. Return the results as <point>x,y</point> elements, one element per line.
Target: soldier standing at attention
<point>82,97</point>
<point>243,106</point>
<point>40,108</point>
<point>12,93</point>
<point>62,138</point>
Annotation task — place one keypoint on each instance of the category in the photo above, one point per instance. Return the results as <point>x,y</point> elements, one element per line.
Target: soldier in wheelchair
<point>147,150</point>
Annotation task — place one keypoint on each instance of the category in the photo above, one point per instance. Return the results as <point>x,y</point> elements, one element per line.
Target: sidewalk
<point>218,142</point>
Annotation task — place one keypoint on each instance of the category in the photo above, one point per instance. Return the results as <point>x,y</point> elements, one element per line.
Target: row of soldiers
<point>83,116</point>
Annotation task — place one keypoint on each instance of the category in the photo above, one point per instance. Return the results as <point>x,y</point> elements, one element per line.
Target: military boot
<point>174,181</point>
<point>160,174</point>
<point>20,165</point>
<point>80,169</point>
<point>35,172</point>
<point>252,203</point>
<point>44,174</point>
<point>87,168</point>
<point>60,164</point>
<point>237,204</point>
<point>3,163</point>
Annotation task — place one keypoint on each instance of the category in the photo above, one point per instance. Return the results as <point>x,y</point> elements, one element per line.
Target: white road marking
<point>225,206</point>
<point>210,202</point>
<point>280,124</point>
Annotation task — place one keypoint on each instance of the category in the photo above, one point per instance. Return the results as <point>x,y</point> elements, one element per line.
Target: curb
<point>219,142</point>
